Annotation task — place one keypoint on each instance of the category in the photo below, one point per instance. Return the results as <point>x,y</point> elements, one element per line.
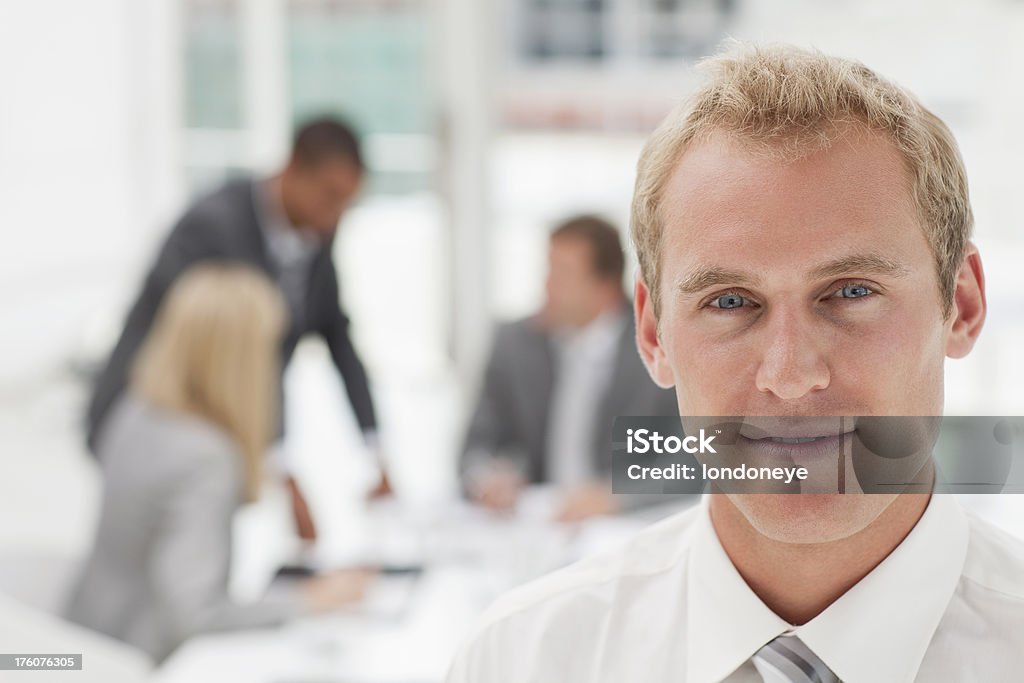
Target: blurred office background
<point>484,123</point>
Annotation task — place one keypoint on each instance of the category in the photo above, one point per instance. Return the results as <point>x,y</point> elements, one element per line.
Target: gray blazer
<point>158,570</point>
<point>511,417</point>
<point>225,226</point>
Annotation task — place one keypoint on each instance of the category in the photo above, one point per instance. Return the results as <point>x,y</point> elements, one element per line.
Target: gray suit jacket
<point>511,417</point>
<point>158,570</point>
<point>225,226</point>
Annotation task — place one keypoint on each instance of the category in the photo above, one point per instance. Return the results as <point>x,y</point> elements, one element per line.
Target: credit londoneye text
<point>647,441</point>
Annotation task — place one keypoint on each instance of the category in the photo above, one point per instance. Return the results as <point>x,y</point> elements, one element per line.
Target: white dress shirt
<point>946,605</point>
<point>586,361</point>
<point>292,249</point>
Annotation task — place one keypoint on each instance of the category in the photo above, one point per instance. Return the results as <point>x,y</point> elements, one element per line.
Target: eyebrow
<point>868,263</point>
<point>707,277</point>
<point>874,264</point>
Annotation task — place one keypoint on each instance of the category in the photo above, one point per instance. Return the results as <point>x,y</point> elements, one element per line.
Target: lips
<point>795,430</point>
<point>780,439</point>
<point>796,449</point>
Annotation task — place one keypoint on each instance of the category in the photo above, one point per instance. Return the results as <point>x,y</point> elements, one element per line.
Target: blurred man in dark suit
<point>285,226</point>
<point>556,381</point>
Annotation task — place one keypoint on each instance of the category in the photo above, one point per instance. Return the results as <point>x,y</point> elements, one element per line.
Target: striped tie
<point>787,660</point>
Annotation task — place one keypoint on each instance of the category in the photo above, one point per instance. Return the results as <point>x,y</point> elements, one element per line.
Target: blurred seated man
<point>556,381</point>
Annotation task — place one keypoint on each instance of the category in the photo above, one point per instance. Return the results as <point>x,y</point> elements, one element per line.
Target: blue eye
<point>728,301</point>
<point>854,292</point>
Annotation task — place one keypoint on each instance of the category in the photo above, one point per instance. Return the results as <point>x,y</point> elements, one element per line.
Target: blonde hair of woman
<point>214,353</point>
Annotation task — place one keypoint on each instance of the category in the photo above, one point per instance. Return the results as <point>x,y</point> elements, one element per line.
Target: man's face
<point>316,195</point>
<point>799,288</point>
<point>573,288</point>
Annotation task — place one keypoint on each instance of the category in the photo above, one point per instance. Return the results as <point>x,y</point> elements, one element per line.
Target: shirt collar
<point>726,622</point>
<point>878,630</point>
<point>598,337</point>
<point>286,241</point>
<point>881,628</point>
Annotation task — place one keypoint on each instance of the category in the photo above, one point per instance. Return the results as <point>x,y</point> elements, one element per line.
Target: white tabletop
<point>409,627</point>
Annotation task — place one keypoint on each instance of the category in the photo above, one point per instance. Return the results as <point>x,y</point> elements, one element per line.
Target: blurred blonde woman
<point>183,449</point>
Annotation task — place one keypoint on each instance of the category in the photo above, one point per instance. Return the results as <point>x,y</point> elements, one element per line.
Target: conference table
<point>411,623</point>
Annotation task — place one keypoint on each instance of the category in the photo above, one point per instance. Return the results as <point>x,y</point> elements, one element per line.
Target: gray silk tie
<point>787,660</point>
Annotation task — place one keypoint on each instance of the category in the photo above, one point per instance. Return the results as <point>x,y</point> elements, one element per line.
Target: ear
<point>648,341</point>
<point>969,306</point>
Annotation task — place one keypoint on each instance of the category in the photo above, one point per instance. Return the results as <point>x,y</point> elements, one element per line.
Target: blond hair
<point>214,352</point>
<point>792,102</point>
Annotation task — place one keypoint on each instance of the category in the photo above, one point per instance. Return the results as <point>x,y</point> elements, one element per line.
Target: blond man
<point>803,228</point>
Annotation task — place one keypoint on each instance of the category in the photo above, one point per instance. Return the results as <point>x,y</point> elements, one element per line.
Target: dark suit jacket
<point>225,226</point>
<point>511,418</point>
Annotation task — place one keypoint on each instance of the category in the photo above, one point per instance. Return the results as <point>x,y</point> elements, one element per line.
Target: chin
<point>810,518</point>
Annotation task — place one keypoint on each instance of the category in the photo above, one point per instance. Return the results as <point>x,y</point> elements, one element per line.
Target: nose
<point>792,363</point>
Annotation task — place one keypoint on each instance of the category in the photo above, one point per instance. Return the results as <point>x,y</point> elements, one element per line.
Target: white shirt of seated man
<point>583,370</point>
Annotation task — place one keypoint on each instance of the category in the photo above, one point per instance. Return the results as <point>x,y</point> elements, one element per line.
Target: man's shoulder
<point>526,327</point>
<point>223,208</point>
<point>995,561</point>
<point>529,633</point>
<point>521,335</point>
<point>591,584</point>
